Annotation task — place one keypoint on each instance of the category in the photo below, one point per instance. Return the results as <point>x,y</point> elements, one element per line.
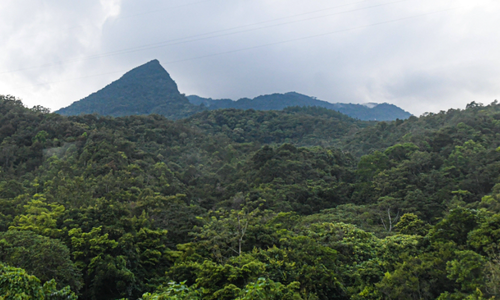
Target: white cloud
<point>44,46</point>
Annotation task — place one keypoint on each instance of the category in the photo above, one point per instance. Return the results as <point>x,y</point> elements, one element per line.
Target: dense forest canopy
<point>304,203</point>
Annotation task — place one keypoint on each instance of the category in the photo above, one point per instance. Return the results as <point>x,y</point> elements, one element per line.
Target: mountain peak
<point>151,65</point>
<point>149,73</point>
<point>143,90</point>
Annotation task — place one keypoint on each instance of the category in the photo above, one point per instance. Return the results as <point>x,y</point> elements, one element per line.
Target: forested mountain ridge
<point>217,207</point>
<point>371,111</point>
<point>147,89</point>
<point>443,129</point>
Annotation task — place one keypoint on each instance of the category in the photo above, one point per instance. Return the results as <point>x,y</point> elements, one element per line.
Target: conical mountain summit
<point>147,89</point>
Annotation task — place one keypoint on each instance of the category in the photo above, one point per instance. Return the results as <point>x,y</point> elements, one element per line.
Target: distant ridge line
<point>366,112</point>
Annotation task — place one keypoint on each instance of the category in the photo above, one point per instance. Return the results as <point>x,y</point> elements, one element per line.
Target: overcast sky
<point>422,55</point>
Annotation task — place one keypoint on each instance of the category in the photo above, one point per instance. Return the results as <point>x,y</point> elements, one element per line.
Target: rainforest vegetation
<point>304,203</point>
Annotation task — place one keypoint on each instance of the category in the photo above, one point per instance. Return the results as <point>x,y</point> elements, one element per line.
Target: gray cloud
<point>415,53</point>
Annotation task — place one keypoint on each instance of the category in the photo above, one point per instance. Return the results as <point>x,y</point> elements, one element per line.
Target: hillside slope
<point>301,126</point>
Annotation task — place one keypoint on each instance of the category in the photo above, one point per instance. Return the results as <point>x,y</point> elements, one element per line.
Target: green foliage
<point>174,291</point>
<point>467,270</point>
<point>485,239</point>
<point>455,226</point>
<point>43,257</point>
<point>411,224</point>
<point>15,284</point>
<point>226,198</point>
<point>105,273</point>
<point>41,217</point>
<point>268,289</point>
<point>261,289</point>
<point>224,235</point>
